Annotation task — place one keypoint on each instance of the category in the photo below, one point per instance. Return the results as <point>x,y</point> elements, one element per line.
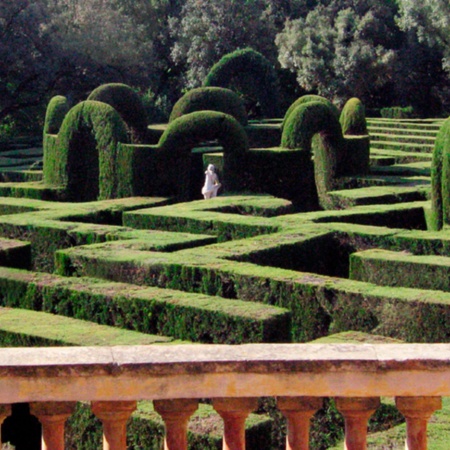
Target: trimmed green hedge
<point>23,328</point>
<point>252,73</point>
<point>84,163</point>
<point>186,316</point>
<point>211,99</point>
<point>308,99</point>
<point>388,268</point>
<point>353,118</point>
<point>128,104</point>
<point>57,109</point>
<point>440,178</point>
<point>189,130</point>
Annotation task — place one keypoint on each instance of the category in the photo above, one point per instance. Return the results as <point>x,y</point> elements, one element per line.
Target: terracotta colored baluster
<point>417,412</point>
<point>52,416</point>
<point>176,414</point>
<point>114,417</point>
<point>356,412</point>
<point>234,411</point>
<point>298,412</point>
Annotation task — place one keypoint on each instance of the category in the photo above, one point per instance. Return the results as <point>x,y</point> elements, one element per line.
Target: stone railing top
<point>198,371</point>
<point>179,359</point>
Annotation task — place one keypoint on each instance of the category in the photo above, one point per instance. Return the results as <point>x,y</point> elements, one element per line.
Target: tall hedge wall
<point>253,73</point>
<point>212,99</point>
<point>440,178</point>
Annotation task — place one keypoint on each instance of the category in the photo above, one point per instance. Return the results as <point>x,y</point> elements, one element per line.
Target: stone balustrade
<point>175,377</point>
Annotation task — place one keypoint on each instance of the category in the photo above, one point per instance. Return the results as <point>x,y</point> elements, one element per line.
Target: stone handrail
<point>174,377</point>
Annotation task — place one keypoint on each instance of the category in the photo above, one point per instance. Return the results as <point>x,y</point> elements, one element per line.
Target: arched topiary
<point>307,99</point>
<point>317,119</point>
<point>212,99</point>
<point>84,162</point>
<point>353,118</point>
<point>127,103</point>
<point>253,73</point>
<point>440,178</point>
<point>57,109</point>
<point>188,131</point>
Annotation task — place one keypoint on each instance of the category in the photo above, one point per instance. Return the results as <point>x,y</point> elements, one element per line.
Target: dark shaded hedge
<point>211,99</point>
<point>253,73</point>
<point>84,158</point>
<point>353,118</point>
<point>128,104</point>
<point>57,109</point>
<point>440,178</point>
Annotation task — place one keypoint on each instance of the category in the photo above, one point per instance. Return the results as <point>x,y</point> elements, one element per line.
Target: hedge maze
<point>316,232</point>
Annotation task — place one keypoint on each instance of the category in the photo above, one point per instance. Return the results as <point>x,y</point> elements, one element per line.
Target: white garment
<point>211,185</point>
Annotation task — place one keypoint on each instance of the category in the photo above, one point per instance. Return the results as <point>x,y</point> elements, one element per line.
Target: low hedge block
<point>24,328</point>
<point>186,316</point>
<point>15,254</point>
<point>389,268</point>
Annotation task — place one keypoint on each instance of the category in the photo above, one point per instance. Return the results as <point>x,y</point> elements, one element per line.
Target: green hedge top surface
<point>57,109</point>
<point>353,118</point>
<point>211,99</point>
<point>125,101</point>
<point>252,72</point>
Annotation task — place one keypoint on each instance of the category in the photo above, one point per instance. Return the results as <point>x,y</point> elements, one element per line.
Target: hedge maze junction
<point>327,222</point>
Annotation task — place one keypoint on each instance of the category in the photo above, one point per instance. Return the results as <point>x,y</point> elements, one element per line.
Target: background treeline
<point>386,52</point>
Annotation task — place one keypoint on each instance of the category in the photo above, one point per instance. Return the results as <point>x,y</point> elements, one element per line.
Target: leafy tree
<point>345,49</point>
<point>430,19</point>
<point>209,29</point>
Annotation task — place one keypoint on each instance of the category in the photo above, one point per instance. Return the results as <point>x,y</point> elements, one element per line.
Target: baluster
<point>5,411</point>
<point>52,416</point>
<point>356,412</point>
<point>234,411</point>
<point>417,412</point>
<point>298,412</point>
<point>176,414</point>
<point>114,417</point>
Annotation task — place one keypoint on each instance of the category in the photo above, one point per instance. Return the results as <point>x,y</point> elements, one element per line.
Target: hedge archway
<point>253,73</point>
<point>86,152</point>
<point>308,99</point>
<point>314,127</point>
<point>188,131</point>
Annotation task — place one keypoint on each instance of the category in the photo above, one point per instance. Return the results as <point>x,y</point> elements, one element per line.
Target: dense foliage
<point>387,53</point>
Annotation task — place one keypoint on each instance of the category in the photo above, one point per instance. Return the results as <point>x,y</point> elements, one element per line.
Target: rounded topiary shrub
<point>308,99</point>
<point>252,73</point>
<point>353,118</point>
<point>212,99</point>
<point>128,104</point>
<point>440,178</point>
<point>57,109</point>
<point>189,131</point>
<point>84,162</point>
